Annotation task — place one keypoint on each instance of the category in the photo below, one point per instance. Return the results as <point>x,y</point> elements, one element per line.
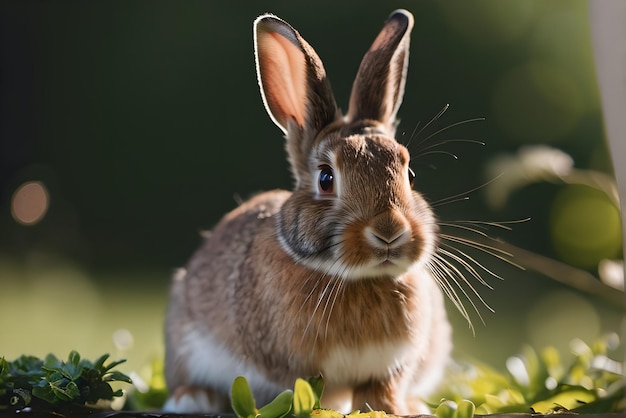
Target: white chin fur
<point>373,269</point>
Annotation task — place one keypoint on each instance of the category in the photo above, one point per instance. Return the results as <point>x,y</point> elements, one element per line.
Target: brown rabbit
<point>333,278</point>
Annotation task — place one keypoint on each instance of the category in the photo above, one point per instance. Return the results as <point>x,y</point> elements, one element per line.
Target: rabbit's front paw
<point>194,399</point>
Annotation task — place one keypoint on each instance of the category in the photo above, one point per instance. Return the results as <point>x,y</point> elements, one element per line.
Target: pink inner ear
<point>283,77</point>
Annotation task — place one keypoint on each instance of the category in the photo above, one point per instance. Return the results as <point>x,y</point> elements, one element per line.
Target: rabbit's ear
<point>379,85</point>
<point>291,76</point>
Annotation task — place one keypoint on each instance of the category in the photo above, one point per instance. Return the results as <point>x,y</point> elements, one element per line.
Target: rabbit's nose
<point>388,230</point>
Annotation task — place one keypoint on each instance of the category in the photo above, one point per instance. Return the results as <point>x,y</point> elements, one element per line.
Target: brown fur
<point>293,282</point>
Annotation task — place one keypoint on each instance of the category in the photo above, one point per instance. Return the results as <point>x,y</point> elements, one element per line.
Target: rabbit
<point>329,279</point>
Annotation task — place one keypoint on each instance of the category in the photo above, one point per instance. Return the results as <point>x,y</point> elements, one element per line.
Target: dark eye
<point>411,177</point>
<point>326,180</point>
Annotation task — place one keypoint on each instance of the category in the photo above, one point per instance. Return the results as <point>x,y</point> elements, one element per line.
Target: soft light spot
<point>585,226</point>
<point>551,383</point>
<point>517,368</point>
<point>29,203</point>
<point>123,339</point>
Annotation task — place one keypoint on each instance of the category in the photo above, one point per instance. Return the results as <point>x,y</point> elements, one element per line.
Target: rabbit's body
<point>331,279</point>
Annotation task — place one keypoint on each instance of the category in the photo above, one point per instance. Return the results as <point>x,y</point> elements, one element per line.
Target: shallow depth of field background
<point>143,123</point>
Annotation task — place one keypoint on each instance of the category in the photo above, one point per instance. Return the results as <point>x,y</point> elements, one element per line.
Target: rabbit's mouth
<point>387,266</point>
<point>391,268</point>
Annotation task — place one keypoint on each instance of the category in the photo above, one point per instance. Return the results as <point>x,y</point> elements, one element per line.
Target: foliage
<point>304,402</point>
<point>536,382</point>
<point>451,409</point>
<point>542,382</point>
<point>55,382</point>
<point>297,403</point>
<point>149,391</point>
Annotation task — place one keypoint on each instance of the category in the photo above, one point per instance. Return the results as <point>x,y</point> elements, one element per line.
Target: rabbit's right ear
<point>379,85</point>
<point>295,90</point>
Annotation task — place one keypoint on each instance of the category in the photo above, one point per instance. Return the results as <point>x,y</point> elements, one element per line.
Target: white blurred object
<point>611,273</point>
<point>537,163</point>
<point>123,339</point>
<point>608,32</point>
<point>531,164</point>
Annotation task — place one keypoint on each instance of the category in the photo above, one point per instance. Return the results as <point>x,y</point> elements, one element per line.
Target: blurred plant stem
<point>561,272</point>
<point>595,179</point>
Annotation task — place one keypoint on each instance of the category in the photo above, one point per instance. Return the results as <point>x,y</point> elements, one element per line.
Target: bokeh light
<point>29,203</point>
<point>585,226</point>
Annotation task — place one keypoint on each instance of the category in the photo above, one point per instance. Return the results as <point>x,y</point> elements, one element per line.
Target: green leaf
<point>65,391</point>
<point>44,392</point>
<point>55,391</point>
<point>116,376</point>
<point>97,390</point>
<point>112,364</point>
<point>279,407</point>
<point>465,409</point>
<point>243,402</point>
<point>72,371</point>
<point>447,409</point>
<point>52,362</point>
<point>73,358</point>
<point>99,364</point>
<point>317,384</point>
<point>303,398</point>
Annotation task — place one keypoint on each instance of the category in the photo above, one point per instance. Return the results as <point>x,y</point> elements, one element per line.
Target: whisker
<point>465,193</point>
<point>458,257</point>
<point>326,304</point>
<point>423,154</point>
<point>455,274</point>
<point>461,276</point>
<point>498,224</point>
<point>472,229</point>
<point>440,273</point>
<point>449,141</point>
<point>413,134</point>
<point>431,121</point>
<point>463,122</point>
<point>316,307</point>
<point>339,288</point>
<point>477,231</point>
<point>447,202</point>
<point>488,249</point>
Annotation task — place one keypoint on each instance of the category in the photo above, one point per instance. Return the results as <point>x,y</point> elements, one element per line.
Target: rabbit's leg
<point>387,395</point>
<point>195,399</point>
<point>338,398</point>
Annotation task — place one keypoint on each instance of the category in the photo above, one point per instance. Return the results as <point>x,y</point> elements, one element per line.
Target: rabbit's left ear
<point>379,85</point>
<point>296,92</point>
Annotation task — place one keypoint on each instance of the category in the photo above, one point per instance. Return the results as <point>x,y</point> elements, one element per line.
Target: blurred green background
<point>143,123</point>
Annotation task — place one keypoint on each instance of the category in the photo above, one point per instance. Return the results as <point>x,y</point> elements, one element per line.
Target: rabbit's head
<point>353,213</point>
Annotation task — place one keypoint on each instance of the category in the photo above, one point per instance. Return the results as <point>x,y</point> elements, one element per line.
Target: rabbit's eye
<point>411,177</point>
<point>326,180</point>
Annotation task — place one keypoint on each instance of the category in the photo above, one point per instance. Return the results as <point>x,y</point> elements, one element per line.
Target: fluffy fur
<point>329,280</point>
